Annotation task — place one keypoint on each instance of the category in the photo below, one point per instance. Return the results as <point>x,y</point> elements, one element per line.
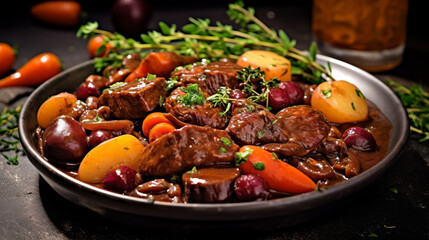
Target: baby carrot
<point>36,71</point>
<point>279,175</point>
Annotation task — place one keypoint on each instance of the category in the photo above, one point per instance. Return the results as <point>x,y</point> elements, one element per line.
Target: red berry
<point>120,179</point>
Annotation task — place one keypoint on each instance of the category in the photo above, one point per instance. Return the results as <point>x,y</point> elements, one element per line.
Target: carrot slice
<point>151,120</point>
<point>159,130</point>
<point>279,175</point>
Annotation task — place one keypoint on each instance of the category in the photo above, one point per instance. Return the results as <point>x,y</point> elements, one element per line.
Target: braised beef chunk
<point>133,100</point>
<point>306,127</point>
<point>210,185</point>
<point>253,124</point>
<point>339,156</point>
<point>118,74</point>
<point>210,77</point>
<point>186,147</point>
<point>199,114</point>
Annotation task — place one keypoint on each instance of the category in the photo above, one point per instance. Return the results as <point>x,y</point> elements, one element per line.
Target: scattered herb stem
<point>9,140</point>
<point>416,102</point>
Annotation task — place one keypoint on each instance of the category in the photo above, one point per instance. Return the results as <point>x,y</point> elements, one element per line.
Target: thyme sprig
<point>255,87</point>
<point>222,99</point>
<point>416,102</point>
<point>201,39</point>
<point>9,139</point>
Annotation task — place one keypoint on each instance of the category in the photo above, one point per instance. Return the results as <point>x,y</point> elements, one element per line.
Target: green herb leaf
<point>192,96</point>
<point>275,155</point>
<point>193,170</point>
<point>242,157</point>
<point>226,141</point>
<point>327,93</point>
<point>114,86</point>
<point>259,166</point>
<point>360,94</point>
<point>222,150</point>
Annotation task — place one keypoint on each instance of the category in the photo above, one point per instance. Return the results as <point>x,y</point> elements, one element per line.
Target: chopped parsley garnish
<point>242,157</point>
<point>226,141</point>
<point>171,83</point>
<point>150,76</point>
<point>260,133</point>
<point>327,93</point>
<point>275,155</point>
<point>259,165</point>
<point>360,94</point>
<point>98,118</point>
<point>113,86</point>
<point>222,150</point>
<point>353,106</point>
<point>193,96</point>
<point>193,170</point>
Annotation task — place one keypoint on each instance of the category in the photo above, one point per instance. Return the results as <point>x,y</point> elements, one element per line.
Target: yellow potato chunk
<point>124,149</point>
<point>53,107</point>
<point>340,102</point>
<point>274,65</point>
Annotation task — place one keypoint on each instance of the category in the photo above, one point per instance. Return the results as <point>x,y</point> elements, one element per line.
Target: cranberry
<point>237,94</point>
<point>278,99</point>
<point>87,89</point>
<point>120,179</point>
<point>294,92</point>
<point>359,138</point>
<point>251,187</point>
<point>98,136</point>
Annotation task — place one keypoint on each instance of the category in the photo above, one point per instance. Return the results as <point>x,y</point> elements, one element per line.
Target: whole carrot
<point>159,63</point>
<point>7,58</point>
<point>279,175</point>
<point>36,71</point>
<point>61,13</point>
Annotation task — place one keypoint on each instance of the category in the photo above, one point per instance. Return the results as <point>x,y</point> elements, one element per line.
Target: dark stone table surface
<point>395,207</point>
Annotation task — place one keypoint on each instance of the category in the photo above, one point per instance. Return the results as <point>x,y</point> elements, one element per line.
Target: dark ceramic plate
<point>267,214</point>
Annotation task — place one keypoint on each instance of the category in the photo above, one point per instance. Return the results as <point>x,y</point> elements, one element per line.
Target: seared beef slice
<point>210,77</point>
<point>185,148</point>
<point>134,99</point>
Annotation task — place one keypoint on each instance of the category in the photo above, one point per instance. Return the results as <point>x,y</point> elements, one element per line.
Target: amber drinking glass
<point>369,34</point>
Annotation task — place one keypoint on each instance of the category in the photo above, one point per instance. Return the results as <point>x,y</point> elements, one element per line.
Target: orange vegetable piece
<point>53,107</point>
<point>124,149</point>
<point>7,58</point>
<point>36,71</point>
<point>159,130</point>
<point>159,63</point>
<point>60,13</point>
<point>151,120</point>
<point>279,175</point>
<point>95,43</point>
<point>274,65</point>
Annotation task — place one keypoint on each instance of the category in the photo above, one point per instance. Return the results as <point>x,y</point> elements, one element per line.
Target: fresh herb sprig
<point>201,39</point>
<point>416,102</point>
<point>9,139</point>
<point>222,99</point>
<point>255,87</point>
